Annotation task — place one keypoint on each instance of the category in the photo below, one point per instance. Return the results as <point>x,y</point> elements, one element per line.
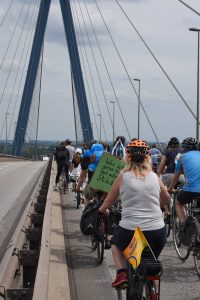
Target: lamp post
<point>197,120</point>
<point>138,134</point>
<point>113,102</point>
<point>6,132</point>
<point>99,115</point>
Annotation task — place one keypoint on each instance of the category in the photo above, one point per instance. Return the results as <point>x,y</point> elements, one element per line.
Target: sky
<point>164,27</point>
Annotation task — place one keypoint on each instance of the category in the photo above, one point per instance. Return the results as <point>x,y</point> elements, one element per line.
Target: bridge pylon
<point>33,69</point>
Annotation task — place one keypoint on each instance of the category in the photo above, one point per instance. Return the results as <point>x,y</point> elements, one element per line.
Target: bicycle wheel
<point>149,291</point>
<point>93,242</point>
<point>100,251</point>
<point>168,229</point>
<point>101,238</point>
<point>135,286</point>
<point>119,294</point>
<point>197,260</point>
<point>182,251</point>
<point>78,199</point>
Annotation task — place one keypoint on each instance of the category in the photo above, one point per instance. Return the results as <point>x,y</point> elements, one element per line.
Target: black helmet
<point>190,144</point>
<point>121,138</point>
<point>173,142</point>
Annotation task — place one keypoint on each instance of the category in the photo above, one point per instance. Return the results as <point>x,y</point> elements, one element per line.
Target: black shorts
<point>155,238</point>
<point>186,197</point>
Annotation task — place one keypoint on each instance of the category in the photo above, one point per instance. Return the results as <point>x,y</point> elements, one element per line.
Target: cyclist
<point>88,165</point>
<point>155,154</point>
<point>189,163</point>
<point>71,152</point>
<point>142,195</point>
<point>118,148</point>
<point>62,158</point>
<point>168,162</point>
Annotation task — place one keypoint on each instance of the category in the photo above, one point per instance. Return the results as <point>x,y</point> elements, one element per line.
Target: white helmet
<point>78,150</point>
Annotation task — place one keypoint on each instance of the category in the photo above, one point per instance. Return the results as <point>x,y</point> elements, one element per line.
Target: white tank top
<point>140,202</point>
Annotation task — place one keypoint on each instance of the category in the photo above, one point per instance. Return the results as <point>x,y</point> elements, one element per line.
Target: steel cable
<point>127,74</point>
<point>155,59</point>
<point>85,72</point>
<point>100,112</point>
<point>6,13</point>
<point>23,26</point>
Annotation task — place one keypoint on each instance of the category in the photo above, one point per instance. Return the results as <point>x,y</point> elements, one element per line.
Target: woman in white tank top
<point>142,195</point>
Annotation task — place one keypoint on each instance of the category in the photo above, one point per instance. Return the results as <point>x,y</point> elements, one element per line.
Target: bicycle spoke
<point>182,251</point>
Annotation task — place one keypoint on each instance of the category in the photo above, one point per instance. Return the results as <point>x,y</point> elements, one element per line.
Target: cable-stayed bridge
<point>105,100</point>
<point>99,103</point>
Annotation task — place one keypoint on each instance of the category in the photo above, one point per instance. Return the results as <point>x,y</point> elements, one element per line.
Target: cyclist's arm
<point>164,195</point>
<point>112,196</point>
<point>81,179</point>
<point>162,165</point>
<point>176,176</point>
<point>174,181</point>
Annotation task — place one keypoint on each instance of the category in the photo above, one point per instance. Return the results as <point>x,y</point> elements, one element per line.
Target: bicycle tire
<point>150,291</point>
<point>197,260</point>
<point>119,294</point>
<point>168,229</point>
<point>135,287</point>
<point>182,251</point>
<point>93,242</point>
<point>100,251</point>
<point>101,238</point>
<point>78,199</point>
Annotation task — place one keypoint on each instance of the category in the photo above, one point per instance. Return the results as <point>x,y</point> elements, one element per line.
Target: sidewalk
<point>58,273</point>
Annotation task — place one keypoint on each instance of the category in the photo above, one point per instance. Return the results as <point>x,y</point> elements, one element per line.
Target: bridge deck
<point>74,273</point>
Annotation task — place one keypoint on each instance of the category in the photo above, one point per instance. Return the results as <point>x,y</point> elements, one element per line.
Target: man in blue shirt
<point>189,164</point>
<point>155,155</point>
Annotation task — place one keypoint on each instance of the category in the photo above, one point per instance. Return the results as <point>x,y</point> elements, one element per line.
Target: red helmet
<point>137,150</point>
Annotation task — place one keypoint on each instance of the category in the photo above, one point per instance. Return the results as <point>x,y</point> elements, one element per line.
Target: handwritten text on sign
<point>106,172</point>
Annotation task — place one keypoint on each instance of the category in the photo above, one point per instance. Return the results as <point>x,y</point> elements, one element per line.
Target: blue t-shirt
<point>189,162</point>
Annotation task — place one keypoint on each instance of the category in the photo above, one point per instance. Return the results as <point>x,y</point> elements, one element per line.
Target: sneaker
<point>121,279</point>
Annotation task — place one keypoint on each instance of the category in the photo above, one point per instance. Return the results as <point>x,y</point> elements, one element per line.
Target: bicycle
<point>141,281</point>
<point>78,194</point>
<point>104,227</point>
<point>63,182</point>
<point>192,244</point>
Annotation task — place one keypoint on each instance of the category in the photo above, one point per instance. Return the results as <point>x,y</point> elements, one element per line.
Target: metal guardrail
<point>24,268</point>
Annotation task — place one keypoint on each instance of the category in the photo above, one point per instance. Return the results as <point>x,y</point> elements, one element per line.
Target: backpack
<point>61,154</point>
<point>119,150</point>
<point>89,218</point>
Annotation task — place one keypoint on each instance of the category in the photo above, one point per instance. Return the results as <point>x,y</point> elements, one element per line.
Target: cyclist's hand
<point>79,189</point>
<point>103,211</point>
<point>170,191</point>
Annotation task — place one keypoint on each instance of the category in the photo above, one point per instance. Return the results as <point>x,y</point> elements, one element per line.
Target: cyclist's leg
<point>182,199</point>
<point>120,240</point>
<point>66,168</point>
<point>59,171</point>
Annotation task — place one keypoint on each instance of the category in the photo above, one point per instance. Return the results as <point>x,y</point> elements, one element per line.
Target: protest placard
<point>106,172</point>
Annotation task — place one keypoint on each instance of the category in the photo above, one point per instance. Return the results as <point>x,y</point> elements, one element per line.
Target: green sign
<point>107,170</point>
